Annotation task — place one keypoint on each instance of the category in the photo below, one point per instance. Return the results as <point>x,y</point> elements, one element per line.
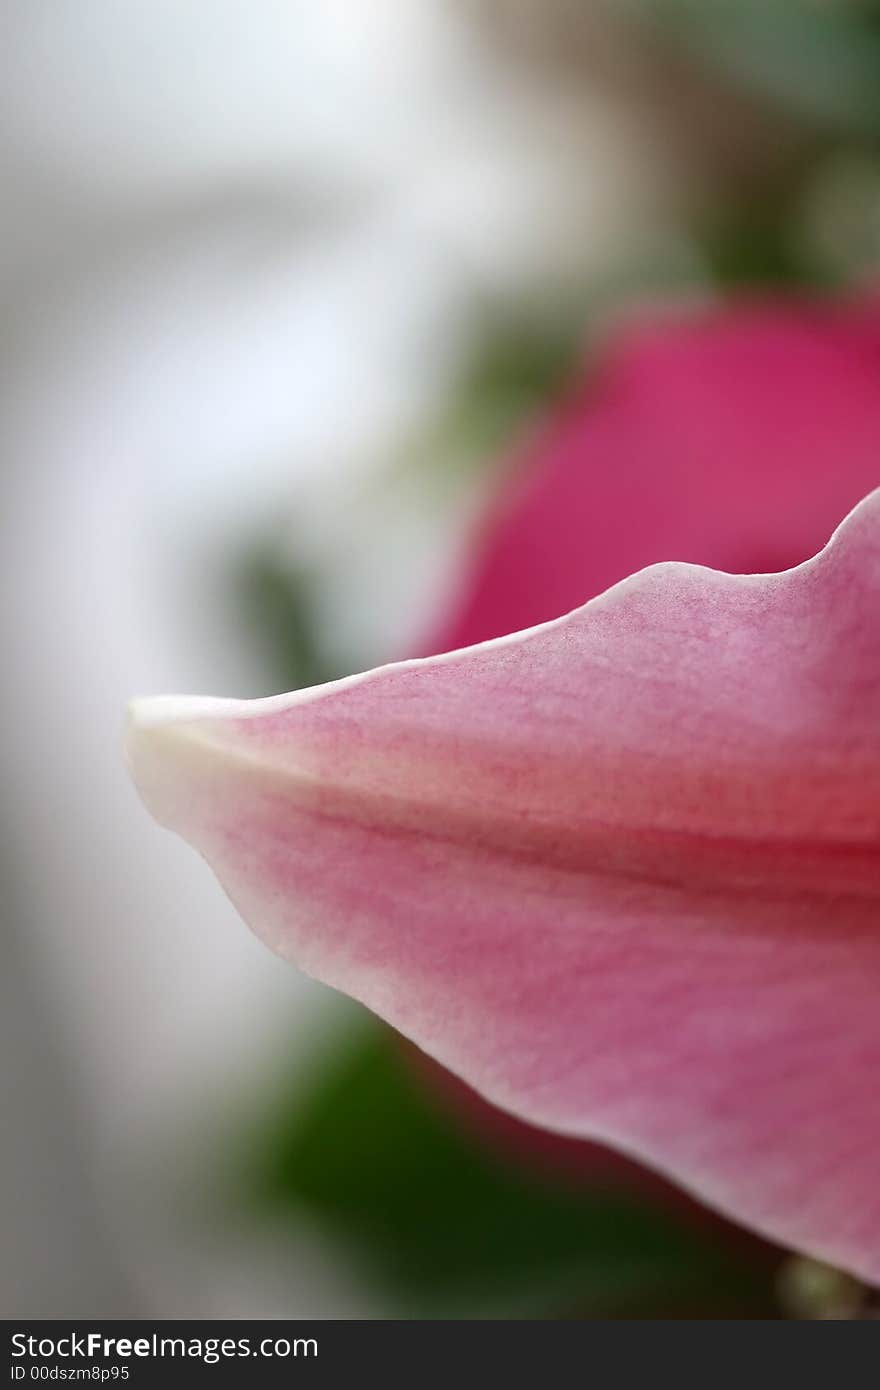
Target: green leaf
<point>455,1226</point>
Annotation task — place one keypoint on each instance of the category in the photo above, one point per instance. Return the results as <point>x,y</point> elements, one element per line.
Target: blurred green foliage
<point>515,367</point>
<point>453,1224</point>
<point>814,65</point>
<point>760,246</point>
<point>277,601</point>
<point>818,58</point>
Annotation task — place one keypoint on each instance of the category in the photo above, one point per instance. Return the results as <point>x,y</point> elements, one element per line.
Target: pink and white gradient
<point>620,872</point>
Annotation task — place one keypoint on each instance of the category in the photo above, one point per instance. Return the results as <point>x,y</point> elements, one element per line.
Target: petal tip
<point>159,734</point>
<point>145,712</point>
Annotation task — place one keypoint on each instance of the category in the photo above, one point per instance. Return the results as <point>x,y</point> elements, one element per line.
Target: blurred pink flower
<point>621,872</point>
<point>736,438</point>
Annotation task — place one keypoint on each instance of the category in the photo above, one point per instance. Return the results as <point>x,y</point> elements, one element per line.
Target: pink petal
<point>735,438</point>
<point>620,872</point>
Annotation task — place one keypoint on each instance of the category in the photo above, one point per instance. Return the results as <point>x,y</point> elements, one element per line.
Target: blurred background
<point>283,286</point>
